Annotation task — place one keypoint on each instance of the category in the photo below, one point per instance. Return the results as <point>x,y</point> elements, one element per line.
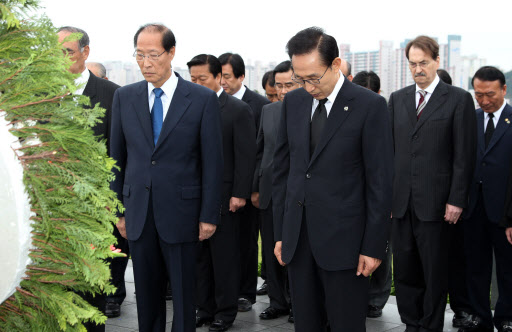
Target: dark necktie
<point>422,103</point>
<point>157,114</point>
<point>317,125</point>
<point>489,130</point>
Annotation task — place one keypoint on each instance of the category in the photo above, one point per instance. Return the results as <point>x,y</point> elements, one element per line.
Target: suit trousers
<point>118,268</point>
<point>318,295</point>
<point>276,274</point>
<point>380,282</point>
<point>420,267</point>
<point>97,301</point>
<point>457,285</point>
<point>152,258</point>
<point>249,252</point>
<point>218,271</point>
<point>482,237</point>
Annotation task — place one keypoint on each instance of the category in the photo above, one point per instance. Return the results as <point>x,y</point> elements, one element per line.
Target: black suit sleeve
<point>464,151</point>
<point>244,152</point>
<point>280,174</point>
<point>506,221</point>
<point>378,165</point>
<point>260,145</point>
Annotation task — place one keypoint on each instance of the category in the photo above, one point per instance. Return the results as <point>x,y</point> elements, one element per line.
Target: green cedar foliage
<point>66,174</point>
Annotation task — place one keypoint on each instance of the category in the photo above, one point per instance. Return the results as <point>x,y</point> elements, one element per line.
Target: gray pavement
<point>249,321</point>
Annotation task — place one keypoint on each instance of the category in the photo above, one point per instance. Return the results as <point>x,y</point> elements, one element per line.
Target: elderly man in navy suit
<point>167,141</point>
<point>333,168</point>
<point>483,233</point>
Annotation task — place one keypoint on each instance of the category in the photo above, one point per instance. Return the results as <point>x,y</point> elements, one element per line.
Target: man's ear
<point>85,53</point>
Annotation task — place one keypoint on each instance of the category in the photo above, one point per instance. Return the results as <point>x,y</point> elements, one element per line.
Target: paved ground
<point>249,321</point>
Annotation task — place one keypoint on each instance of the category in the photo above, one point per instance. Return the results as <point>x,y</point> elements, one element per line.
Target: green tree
<point>66,174</point>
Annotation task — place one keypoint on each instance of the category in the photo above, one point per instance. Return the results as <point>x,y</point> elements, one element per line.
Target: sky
<point>259,30</point>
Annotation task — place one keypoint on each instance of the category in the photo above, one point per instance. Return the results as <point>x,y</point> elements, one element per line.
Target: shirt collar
<point>219,92</point>
<point>168,87</point>
<point>497,114</point>
<point>337,88</point>
<point>83,78</point>
<point>430,89</point>
<point>240,93</point>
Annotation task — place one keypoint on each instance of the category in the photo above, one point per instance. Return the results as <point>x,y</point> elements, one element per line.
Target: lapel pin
<point>507,121</point>
<point>346,109</point>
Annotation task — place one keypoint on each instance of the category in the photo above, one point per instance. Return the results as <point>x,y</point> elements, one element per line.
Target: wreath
<point>66,175</point>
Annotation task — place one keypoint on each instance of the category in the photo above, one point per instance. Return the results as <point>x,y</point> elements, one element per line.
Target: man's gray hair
<point>82,42</point>
<point>102,71</point>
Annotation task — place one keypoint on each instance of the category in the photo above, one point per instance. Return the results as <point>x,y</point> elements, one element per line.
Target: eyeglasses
<point>422,64</point>
<point>313,81</point>
<point>281,86</point>
<point>151,57</point>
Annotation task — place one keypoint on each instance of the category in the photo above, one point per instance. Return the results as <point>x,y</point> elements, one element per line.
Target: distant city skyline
<point>260,30</point>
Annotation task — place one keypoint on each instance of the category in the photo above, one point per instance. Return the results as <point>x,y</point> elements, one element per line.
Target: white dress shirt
<point>331,98</point>
<point>496,117</point>
<point>430,90</point>
<point>82,81</point>
<point>219,92</point>
<point>240,93</point>
<point>168,87</point>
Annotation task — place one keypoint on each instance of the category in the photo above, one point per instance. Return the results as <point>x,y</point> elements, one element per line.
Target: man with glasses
<point>434,132</point>
<point>262,193</point>
<point>331,183</point>
<point>167,141</point>
<point>267,83</point>
<point>99,91</point>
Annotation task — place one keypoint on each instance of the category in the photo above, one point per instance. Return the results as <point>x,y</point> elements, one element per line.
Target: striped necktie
<point>422,103</point>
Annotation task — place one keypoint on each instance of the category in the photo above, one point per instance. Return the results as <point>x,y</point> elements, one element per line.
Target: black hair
<point>283,67</point>
<point>367,79</point>
<point>83,41</point>
<point>489,73</point>
<point>214,66</point>
<point>444,76</point>
<point>314,38</point>
<point>268,78</point>
<point>236,62</point>
<point>168,39</point>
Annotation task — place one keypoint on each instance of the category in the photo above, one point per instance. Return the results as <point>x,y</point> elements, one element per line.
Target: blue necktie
<point>157,114</point>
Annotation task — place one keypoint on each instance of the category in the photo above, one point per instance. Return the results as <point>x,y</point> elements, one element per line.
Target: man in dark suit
<point>482,232</point>
<point>331,183</point>
<point>381,279</point>
<point>99,91</point>
<point>170,161</point>
<point>233,74</point>
<point>262,192</point>
<point>457,286</point>
<point>435,142</point>
<point>218,264</point>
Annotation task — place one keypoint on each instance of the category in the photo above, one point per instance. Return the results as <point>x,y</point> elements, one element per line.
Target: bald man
<point>97,69</point>
<point>346,69</point>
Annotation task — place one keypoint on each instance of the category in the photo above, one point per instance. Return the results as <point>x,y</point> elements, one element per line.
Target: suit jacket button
<point>147,188</point>
<point>415,137</point>
<point>153,162</point>
<point>300,203</point>
<point>308,175</point>
<point>413,155</point>
<point>484,164</point>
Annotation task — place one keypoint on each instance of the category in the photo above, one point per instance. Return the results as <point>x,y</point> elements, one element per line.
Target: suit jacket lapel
<point>222,100</point>
<point>437,99</point>
<point>141,108</point>
<point>276,117</point>
<point>90,89</point>
<point>502,126</point>
<point>480,130</point>
<point>177,108</point>
<point>337,115</point>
